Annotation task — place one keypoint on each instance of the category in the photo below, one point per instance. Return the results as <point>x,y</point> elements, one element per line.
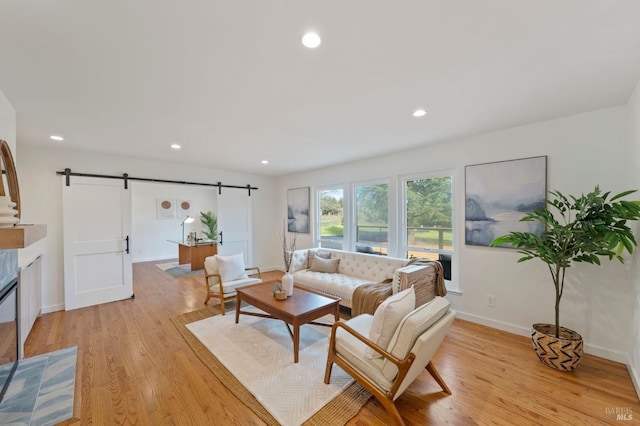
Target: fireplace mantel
<point>21,236</point>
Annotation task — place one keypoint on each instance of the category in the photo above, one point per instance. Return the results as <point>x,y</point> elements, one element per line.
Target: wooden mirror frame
<point>6,161</point>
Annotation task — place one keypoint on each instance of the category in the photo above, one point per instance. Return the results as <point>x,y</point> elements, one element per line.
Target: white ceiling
<point>231,83</point>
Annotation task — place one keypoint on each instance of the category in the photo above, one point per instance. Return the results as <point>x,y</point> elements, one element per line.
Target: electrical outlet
<point>491,301</point>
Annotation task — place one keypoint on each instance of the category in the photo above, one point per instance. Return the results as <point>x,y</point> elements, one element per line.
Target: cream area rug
<point>259,353</point>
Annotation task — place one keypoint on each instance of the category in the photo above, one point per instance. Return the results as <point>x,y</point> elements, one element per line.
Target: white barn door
<point>235,224</point>
<point>96,229</point>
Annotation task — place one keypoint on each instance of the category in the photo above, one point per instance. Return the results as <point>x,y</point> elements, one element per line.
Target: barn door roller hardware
<point>126,178</point>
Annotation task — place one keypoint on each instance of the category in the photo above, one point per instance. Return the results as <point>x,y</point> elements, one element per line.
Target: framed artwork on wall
<point>498,195</point>
<point>165,208</point>
<point>184,208</point>
<point>298,210</point>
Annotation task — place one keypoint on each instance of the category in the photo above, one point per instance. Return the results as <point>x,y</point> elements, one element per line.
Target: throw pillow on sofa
<point>231,267</point>
<point>324,265</point>
<point>319,253</point>
<point>387,318</point>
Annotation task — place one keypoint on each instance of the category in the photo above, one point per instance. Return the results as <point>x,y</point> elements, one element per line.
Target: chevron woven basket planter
<point>563,353</point>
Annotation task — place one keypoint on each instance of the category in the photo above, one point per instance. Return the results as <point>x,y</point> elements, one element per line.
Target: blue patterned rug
<point>178,271</point>
<point>42,389</point>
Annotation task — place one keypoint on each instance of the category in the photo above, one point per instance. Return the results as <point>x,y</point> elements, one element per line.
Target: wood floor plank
<point>135,368</point>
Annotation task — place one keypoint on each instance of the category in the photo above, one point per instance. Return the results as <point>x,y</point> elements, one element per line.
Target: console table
<point>195,253</point>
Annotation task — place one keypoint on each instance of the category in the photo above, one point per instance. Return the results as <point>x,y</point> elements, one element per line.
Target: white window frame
<point>403,244</point>
<point>317,238</point>
<point>353,228</point>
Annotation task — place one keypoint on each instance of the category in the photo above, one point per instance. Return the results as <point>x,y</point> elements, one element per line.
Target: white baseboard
<point>52,308</point>
<point>605,353</point>
<point>526,332</point>
<point>635,377</point>
<point>520,331</point>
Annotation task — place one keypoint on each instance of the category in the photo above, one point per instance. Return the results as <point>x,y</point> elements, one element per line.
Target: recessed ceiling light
<point>56,138</point>
<point>265,161</point>
<point>175,146</point>
<point>311,40</point>
<point>419,113</point>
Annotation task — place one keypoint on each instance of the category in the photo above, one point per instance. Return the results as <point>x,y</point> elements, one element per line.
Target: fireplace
<point>8,317</point>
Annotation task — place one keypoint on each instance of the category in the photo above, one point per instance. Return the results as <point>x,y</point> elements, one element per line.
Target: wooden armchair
<point>410,351</point>
<point>224,273</point>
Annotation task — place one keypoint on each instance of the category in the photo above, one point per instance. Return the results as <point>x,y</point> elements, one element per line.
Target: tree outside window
<point>372,218</point>
<point>429,220</point>
<point>331,218</point>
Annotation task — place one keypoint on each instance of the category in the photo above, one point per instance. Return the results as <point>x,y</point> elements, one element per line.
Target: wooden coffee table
<point>301,308</point>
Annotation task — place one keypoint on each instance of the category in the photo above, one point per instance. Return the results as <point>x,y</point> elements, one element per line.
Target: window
<point>428,220</point>
<point>372,218</point>
<point>331,215</point>
<point>414,218</point>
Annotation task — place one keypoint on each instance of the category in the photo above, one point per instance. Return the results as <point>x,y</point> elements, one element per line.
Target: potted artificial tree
<point>583,229</point>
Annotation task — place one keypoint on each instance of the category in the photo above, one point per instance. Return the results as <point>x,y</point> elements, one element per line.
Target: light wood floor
<point>134,368</point>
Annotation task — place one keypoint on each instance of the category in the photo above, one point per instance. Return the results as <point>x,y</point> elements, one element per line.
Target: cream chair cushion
<point>418,337</point>
<point>212,267</point>
<point>356,352</point>
<point>410,328</point>
<point>231,267</point>
<point>387,318</point>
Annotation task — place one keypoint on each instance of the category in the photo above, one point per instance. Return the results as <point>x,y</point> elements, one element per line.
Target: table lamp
<point>187,219</point>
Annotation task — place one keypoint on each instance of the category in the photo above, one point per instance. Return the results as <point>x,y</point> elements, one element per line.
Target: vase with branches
<point>288,247</point>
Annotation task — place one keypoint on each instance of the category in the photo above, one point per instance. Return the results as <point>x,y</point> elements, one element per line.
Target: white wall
<point>41,193</point>
<point>151,234</point>
<point>633,361</point>
<point>583,151</point>
<point>8,123</point>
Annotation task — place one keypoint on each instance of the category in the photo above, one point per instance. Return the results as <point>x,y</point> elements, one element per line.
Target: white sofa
<point>354,269</point>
